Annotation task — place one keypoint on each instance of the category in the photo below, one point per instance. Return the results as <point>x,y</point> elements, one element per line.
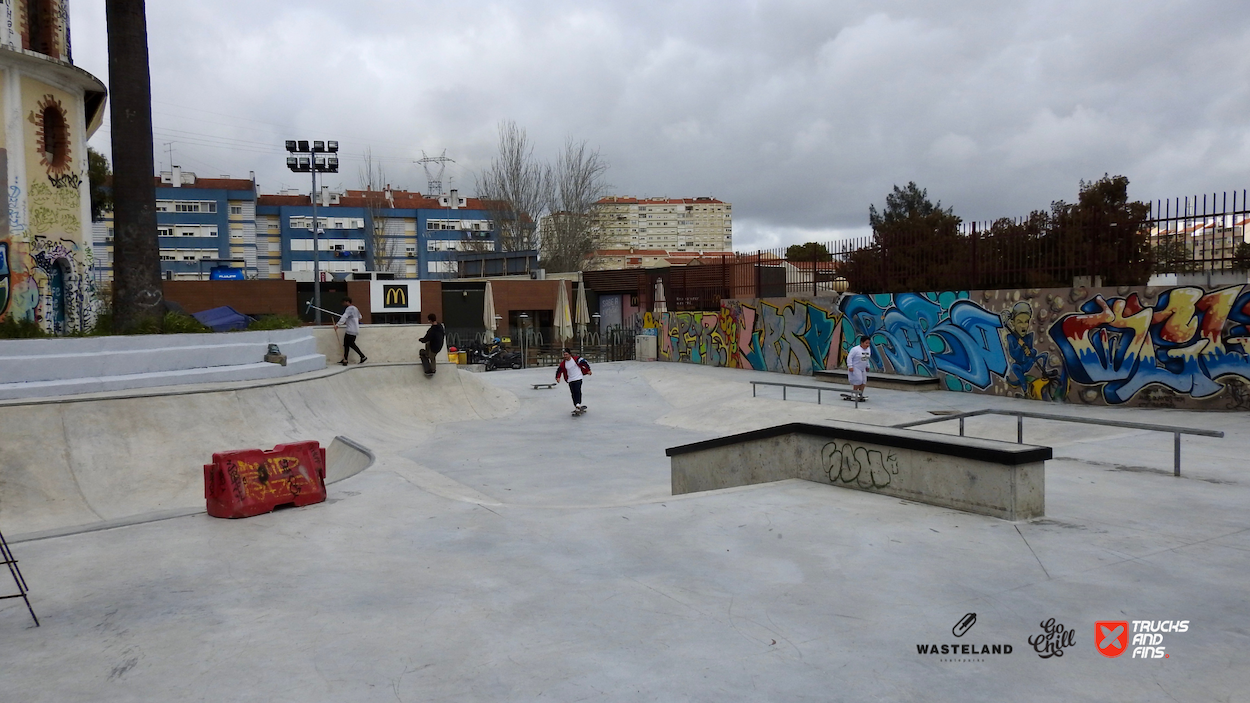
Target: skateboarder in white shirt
<point>857,367</point>
<point>573,369</point>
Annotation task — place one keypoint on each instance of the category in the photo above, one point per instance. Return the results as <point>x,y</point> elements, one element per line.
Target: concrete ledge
<point>32,368</point>
<point>999,479</point>
<point>392,344</point>
<point>883,380</point>
<point>98,384</point>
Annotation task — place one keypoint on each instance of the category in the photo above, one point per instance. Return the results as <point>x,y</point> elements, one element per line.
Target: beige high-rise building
<point>674,224</point>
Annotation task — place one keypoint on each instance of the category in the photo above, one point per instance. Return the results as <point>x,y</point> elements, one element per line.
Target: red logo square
<point>1111,637</point>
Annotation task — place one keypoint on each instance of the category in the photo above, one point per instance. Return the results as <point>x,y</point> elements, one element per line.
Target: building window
<point>55,137</point>
<point>236,209</point>
<point>40,27</point>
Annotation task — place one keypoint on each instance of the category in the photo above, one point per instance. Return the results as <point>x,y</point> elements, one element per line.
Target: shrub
<point>275,322</point>
<point>178,323</point>
<point>12,328</point>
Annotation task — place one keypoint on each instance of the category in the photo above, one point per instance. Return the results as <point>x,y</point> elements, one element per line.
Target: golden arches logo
<point>394,296</point>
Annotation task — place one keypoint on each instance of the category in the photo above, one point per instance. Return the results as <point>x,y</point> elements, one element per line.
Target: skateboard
<point>579,412</point>
<point>853,397</point>
<point>425,362</point>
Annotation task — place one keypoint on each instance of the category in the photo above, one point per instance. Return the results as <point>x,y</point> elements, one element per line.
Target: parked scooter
<point>493,355</point>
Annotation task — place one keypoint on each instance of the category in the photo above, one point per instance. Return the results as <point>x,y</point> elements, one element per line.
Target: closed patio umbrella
<point>582,316</point>
<point>488,312</point>
<point>564,320</point>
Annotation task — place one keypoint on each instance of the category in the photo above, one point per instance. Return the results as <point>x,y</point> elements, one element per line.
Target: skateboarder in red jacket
<point>572,369</point>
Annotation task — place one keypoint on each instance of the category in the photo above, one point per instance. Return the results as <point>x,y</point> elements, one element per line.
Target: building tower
<point>50,109</point>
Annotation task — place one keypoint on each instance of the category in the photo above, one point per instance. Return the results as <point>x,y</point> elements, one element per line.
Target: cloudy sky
<point>799,113</point>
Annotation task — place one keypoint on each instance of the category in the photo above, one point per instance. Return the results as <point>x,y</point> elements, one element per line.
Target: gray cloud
<point>799,113</point>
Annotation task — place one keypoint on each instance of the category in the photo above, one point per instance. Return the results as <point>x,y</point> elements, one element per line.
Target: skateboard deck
<point>582,411</point>
<point>425,362</point>
<point>852,396</point>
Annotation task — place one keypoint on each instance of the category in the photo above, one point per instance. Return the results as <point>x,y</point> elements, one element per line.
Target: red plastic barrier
<point>248,482</point>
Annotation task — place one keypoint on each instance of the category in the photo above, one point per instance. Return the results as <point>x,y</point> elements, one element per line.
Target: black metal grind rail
<point>7,559</point>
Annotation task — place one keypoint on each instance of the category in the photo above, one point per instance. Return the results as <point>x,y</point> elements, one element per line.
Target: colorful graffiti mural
<point>1151,347</point>
<point>1190,341</point>
<point>792,336</point>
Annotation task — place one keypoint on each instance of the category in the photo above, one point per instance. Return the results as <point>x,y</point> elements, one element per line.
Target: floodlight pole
<point>316,245</point>
<point>329,165</point>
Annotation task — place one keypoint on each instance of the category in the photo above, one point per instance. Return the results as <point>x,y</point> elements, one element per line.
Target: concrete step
<point>116,382</point>
<point>67,359</point>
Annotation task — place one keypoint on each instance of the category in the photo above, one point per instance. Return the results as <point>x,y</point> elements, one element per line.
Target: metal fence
<point>541,348</point>
<point>1118,246</point>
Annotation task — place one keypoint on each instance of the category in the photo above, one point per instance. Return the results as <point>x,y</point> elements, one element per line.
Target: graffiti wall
<point>1141,346</point>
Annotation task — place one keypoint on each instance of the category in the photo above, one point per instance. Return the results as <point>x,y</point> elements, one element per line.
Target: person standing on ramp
<point>857,367</point>
<point>433,343</point>
<point>572,369</point>
<point>351,328</point>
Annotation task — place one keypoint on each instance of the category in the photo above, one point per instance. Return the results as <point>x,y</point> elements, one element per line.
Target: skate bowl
<point>988,477</point>
<point>88,461</point>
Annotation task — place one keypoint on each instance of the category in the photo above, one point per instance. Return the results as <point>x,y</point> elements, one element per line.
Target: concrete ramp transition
<point>980,476</point>
<point>73,462</point>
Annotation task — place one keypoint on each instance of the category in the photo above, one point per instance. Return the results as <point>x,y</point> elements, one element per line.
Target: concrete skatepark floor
<point>512,552</point>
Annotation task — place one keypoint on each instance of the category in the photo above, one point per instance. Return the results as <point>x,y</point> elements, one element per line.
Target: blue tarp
<point>223,319</point>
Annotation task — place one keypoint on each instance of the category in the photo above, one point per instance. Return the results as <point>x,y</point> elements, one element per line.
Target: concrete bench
<point>993,478</point>
<point>883,380</point>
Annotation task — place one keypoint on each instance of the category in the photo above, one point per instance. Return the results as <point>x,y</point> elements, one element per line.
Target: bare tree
<point>515,186</point>
<point>576,183</point>
<point>137,294</point>
<point>383,253</point>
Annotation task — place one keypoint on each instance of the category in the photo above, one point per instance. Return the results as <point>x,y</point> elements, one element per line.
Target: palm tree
<point>137,291</point>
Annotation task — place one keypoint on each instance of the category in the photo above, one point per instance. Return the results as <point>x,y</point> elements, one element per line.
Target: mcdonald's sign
<point>395,296</point>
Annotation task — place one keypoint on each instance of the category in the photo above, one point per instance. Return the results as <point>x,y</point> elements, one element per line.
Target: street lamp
<point>523,319</point>
<point>598,333</point>
<point>311,158</point>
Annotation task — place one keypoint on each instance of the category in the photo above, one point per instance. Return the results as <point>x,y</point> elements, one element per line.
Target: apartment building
<point>396,231</point>
<point>672,224</point>
<point>1213,239</point>
<point>202,224</point>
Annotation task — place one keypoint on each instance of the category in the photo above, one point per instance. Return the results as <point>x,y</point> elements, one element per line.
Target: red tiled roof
<point>630,200</point>
<point>211,183</point>
<point>282,200</point>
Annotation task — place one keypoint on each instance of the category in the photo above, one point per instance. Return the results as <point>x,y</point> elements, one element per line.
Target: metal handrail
<point>1021,414</point>
<point>784,386</point>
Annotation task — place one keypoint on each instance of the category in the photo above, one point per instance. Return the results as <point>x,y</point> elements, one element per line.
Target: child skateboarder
<point>857,368</point>
<point>572,369</point>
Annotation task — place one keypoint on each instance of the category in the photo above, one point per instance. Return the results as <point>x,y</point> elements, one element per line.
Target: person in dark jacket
<point>434,340</point>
